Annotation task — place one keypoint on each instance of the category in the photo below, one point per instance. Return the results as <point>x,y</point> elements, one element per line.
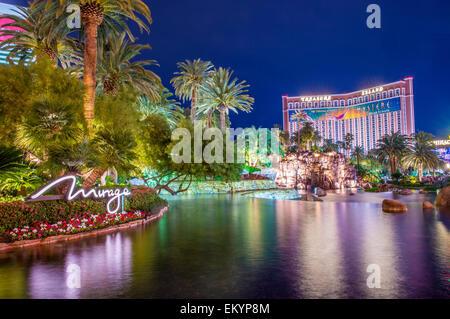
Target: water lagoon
<point>228,246</point>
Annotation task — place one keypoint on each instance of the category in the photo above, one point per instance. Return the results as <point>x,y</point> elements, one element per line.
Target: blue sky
<point>310,47</point>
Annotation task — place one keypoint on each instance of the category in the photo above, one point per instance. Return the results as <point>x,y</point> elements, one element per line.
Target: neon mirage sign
<point>114,195</point>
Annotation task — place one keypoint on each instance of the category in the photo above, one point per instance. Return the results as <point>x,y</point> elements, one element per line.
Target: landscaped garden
<point>74,103</point>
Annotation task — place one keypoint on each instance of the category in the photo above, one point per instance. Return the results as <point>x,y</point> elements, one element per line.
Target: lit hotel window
<point>342,102</point>
<point>296,105</point>
<point>391,93</point>
<point>378,96</point>
<point>290,105</point>
<point>350,102</point>
<point>397,92</point>
<point>384,95</point>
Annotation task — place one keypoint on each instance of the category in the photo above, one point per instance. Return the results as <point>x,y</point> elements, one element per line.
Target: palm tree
<point>104,16</point>
<point>391,148</point>
<point>49,122</point>
<point>115,67</point>
<point>35,32</point>
<point>358,152</point>
<point>299,116</point>
<point>165,106</point>
<point>420,154</point>
<point>15,173</point>
<point>113,149</point>
<point>307,133</point>
<point>191,76</point>
<point>330,146</point>
<point>11,162</point>
<point>222,93</point>
<point>316,138</point>
<point>348,139</point>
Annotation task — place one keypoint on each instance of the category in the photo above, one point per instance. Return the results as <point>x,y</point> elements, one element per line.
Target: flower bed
<point>23,221</point>
<point>72,226</point>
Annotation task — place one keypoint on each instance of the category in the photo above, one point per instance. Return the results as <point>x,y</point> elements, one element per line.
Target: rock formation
<point>393,206</point>
<point>310,198</point>
<point>308,170</point>
<point>443,198</point>
<point>427,205</point>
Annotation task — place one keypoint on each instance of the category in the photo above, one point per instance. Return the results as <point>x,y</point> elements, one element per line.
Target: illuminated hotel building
<point>368,114</point>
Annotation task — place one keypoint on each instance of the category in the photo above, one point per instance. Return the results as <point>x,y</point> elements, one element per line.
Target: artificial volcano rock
<point>443,198</point>
<point>308,170</point>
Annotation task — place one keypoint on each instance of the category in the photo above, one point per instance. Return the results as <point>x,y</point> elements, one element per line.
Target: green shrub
<point>430,188</point>
<point>20,213</point>
<point>373,190</point>
<point>146,202</point>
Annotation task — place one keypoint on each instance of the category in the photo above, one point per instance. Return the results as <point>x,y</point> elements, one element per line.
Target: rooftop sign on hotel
<point>315,98</point>
<point>442,143</point>
<point>374,90</point>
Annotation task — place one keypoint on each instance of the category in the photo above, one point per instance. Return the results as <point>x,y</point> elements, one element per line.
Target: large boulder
<point>405,192</point>
<point>310,198</point>
<point>320,192</point>
<point>427,205</point>
<point>386,188</point>
<point>394,206</point>
<point>443,198</point>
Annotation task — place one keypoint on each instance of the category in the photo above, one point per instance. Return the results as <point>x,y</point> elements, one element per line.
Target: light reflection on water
<point>230,247</point>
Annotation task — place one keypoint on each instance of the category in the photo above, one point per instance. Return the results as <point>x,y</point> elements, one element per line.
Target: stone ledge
<point>96,232</point>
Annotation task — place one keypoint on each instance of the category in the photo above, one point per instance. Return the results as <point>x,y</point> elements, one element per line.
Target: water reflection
<point>229,247</point>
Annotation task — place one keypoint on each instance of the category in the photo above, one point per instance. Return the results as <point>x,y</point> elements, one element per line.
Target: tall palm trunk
<point>209,119</point>
<point>93,176</point>
<point>420,172</point>
<point>222,110</point>
<point>392,162</point>
<point>90,65</point>
<point>298,136</point>
<point>194,105</point>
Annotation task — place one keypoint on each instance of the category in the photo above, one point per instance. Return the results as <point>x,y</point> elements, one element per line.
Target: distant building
<point>443,149</point>
<point>368,114</point>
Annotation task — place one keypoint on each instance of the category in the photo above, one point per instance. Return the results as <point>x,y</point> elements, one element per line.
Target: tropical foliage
<point>157,145</point>
<point>34,33</point>
<point>192,75</point>
<point>420,154</point>
<point>104,126</point>
<point>223,93</point>
<point>391,149</point>
<point>116,68</point>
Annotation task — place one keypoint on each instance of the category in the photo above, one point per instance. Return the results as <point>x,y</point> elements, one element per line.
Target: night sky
<point>310,48</point>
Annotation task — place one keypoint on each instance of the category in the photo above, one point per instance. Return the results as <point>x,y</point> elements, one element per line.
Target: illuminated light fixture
<point>114,195</point>
<point>374,90</point>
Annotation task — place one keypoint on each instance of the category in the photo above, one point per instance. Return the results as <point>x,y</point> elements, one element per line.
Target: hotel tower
<point>368,114</point>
